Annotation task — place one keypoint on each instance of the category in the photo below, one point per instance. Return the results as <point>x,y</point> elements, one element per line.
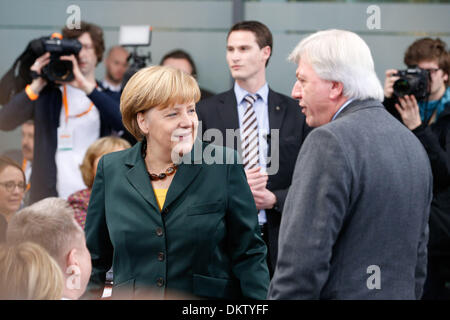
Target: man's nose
<point>296,90</point>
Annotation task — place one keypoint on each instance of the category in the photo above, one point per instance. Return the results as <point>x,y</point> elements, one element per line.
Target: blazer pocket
<point>123,290</point>
<point>205,208</point>
<point>210,287</point>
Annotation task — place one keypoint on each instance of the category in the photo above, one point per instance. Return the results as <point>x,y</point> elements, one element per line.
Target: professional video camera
<point>56,69</point>
<point>413,81</point>
<point>135,37</point>
<point>19,75</point>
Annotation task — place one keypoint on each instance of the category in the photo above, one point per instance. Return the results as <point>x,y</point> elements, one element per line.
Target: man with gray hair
<point>51,224</point>
<point>354,225</point>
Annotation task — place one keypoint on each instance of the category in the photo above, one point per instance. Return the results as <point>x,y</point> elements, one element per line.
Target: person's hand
<point>389,82</point>
<point>257,180</point>
<point>264,198</point>
<point>79,80</point>
<point>39,83</point>
<point>409,111</point>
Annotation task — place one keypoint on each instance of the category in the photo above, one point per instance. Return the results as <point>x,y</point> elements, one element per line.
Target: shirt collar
<point>240,93</point>
<point>346,103</point>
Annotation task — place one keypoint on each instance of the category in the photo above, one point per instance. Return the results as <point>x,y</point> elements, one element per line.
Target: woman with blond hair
<point>167,218</point>
<point>28,272</point>
<point>79,200</point>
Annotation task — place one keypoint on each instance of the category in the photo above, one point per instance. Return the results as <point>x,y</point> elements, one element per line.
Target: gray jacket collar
<point>357,105</point>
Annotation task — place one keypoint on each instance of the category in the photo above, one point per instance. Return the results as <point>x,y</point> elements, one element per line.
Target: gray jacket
<point>355,221</point>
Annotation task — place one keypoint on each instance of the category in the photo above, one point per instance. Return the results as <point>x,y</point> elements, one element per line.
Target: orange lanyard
<point>66,107</point>
<point>24,166</point>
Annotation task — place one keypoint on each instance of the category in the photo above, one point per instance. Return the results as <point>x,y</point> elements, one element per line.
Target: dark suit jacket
<point>220,112</point>
<point>204,242</point>
<point>357,211</point>
<point>45,111</point>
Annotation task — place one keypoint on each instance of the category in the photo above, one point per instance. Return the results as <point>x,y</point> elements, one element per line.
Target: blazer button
<point>166,210</point>
<point>159,232</point>
<point>161,256</point>
<point>160,282</point>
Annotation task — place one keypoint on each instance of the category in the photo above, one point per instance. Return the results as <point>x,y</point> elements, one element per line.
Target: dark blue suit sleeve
<point>108,107</point>
<point>247,248</point>
<point>18,110</point>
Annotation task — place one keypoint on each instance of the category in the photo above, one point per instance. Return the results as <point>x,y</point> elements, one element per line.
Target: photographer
<point>68,116</point>
<point>429,120</point>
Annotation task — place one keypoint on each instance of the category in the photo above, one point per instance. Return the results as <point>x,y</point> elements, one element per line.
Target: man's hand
<point>264,199</point>
<point>389,82</point>
<point>409,111</point>
<point>80,80</point>
<point>257,180</point>
<point>39,83</point>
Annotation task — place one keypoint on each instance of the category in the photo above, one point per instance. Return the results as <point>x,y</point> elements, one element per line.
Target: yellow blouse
<point>160,195</point>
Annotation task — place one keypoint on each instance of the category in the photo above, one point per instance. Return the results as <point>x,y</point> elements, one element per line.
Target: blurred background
<point>200,28</point>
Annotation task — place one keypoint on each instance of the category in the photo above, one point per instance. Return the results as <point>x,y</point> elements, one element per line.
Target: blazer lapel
<point>276,110</point>
<point>186,173</point>
<point>137,176</point>
<point>228,111</point>
<point>276,115</point>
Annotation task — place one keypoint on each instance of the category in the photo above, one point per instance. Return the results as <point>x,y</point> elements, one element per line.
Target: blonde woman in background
<point>79,200</point>
<point>29,273</point>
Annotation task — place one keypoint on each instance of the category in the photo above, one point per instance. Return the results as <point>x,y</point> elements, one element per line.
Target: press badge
<point>65,139</point>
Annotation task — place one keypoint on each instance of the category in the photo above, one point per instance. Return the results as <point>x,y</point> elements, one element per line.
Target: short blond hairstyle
<point>28,272</point>
<point>49,223</point>
<point>156,86</point>
<point>97,149</point>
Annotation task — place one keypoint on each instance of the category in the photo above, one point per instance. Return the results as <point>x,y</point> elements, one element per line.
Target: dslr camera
<point>56,69</point>
<point>413,81</point>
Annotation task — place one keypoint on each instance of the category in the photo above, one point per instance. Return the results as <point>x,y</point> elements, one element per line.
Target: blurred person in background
<point>25,155</point>
<point>28,272</point>
<point>12,188</point>
<point>116,64</point>
<point>429,121</point>
<point>183,61</point>
<point>50,223</point>
<point>79,200</point>
<point>68,116</point>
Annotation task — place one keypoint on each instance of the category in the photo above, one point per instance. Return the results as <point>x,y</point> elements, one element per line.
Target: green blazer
<point>204,242</point>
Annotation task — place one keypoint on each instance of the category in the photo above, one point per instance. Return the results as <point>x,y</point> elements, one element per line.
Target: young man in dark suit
<point>270,126</point>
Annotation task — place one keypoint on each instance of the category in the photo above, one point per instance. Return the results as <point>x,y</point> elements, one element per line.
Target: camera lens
<point>60,70</point>
<point>401,87</point>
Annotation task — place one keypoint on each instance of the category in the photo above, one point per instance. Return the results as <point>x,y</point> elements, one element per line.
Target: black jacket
<point>436,140</point>
<point>220,112</point>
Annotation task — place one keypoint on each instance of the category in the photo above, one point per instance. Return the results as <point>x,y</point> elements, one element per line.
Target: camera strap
<point>66,107</point>
<point>24,167</point>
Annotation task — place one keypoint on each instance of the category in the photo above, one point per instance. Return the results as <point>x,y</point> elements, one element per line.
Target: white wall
<point>200,27</point>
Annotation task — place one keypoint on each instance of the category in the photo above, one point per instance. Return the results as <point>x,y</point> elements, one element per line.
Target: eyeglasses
<point>10,186</point>
<point>431,70</point>
<point>87,46</point>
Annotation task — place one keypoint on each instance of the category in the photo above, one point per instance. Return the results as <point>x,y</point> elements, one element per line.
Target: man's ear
<point>266,52</point>
<point>142,123</point>
<point>71,259</point>
<point>337,89</point>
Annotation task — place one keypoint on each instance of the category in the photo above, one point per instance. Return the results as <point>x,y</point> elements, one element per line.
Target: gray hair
<point>341,56</point>
<point>49,223</point>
